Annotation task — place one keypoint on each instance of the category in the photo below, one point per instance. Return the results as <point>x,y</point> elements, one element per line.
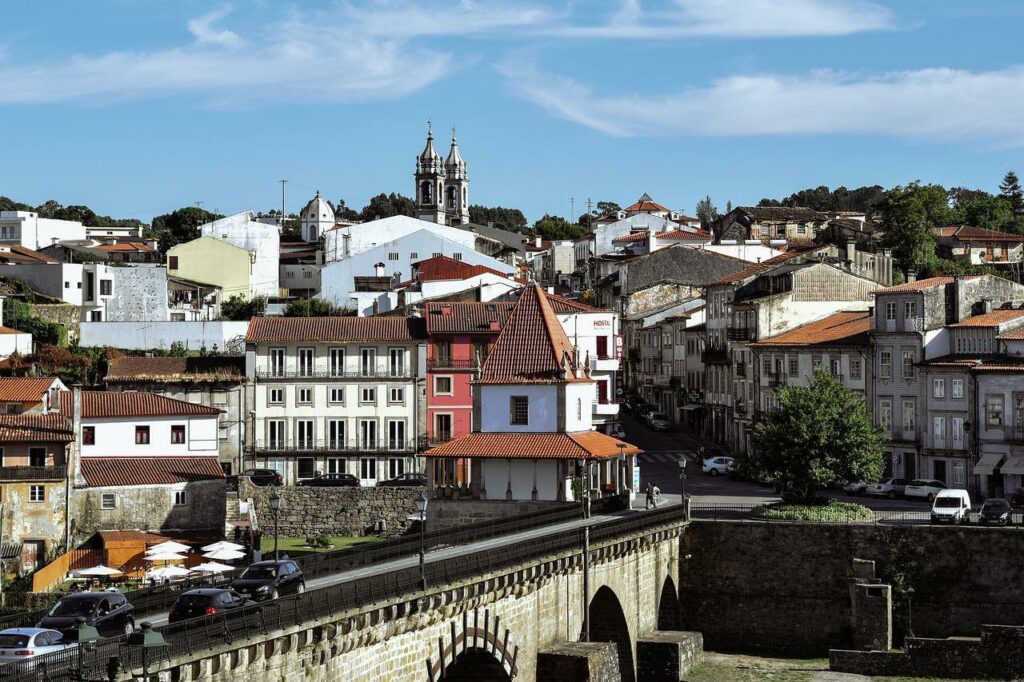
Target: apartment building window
<point>815,362</point>
<point>885,415</point>
<point>368,469</point>
<point>836,367</point>
<point>336,433</point>
<point>396,396</point>
<point>938,388</point>
<point>908,415</point>
<point>304,396</point>
<point>396,362</point>
<point>335,465</point>
<point>958,388</point>
<point>855,368</point>
<point>885,364</point>
<point>442,353</point>
<point>766,366</point>
<point>180,498</point>
<point>142,435</point>
<point>436,254</point>
<point>794,366</point>
<point>172,262</point>
<point>337,362</point>
<point>396,434</point>
<point>337,396</point>
<point>457,255</point>
<point>88,435</point>
<point>305,357</point>
<point>306,467</point>
<point>994,410</point>
<point>37,457</point>
<point>480,351</point>
<point>908,364</point>
<point>519,410</point>
<point>367,361</point>
<point>890,310</point>
<point>106,287</point>
<point>108,501</point>
<point>396,467</point>
<point>392,255</point>
<point>276,362</point>
<point>37,493</point>
<point>275,396</point>
<point>939,430</point>
<point>368,395</point>
<point>368,434</point>
<point>442,385</point>
<point>958,429</point>
<point>178,434</point>
<point>275,433</point>
<point>413,255</point>
<point>304,434</point>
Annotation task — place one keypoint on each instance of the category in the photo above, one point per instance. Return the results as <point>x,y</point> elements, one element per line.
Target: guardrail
<point>207,632</point>
<point>714,511</point>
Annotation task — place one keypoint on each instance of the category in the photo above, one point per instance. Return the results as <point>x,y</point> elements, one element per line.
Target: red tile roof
<point>35,428</point>
<point>476,317</point>
<point>532,346</point>
<point>561,304</point>
<point>646,205</point>
<point>700,235</point>
<point>967,233</point>
<point>14,253</point>
<point>125,246</point>
<point>632,237</point>
<point>764,266</point>
<point>335,329</point>
<point>444,268</point>
<point>1013,335</point>
<point>186,370</point>
<point>849,327</point>
<point>114,404</point>
<point>125,471</point>
<point>992,319</point>
<point>922,284</point>
<point>24,389</point>
<point>581,445</point>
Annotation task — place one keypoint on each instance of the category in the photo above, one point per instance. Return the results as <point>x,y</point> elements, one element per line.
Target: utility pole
<point>586,584</point>
<point>283,183</point>
<point>572,210</point>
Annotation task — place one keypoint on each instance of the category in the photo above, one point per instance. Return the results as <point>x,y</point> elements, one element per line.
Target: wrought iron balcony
<point>741,370</point>
<point>300,446</point>
<point>776,379</point>
<point>1014,433</point>
<point>303,375</point>
<point>714,355</point>
<point>741,334</point>
<point>434,364</point>
<point>30,473</point>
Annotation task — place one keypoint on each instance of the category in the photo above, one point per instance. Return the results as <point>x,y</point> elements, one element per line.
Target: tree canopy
<point>312,307</point>
<point>819,433</point>
<point>707,212</point>
<point>862,199</point>
<point>503,218</point>
<point>1010,190</point>
<point>555,228</point>
<point>55,210</point>
<point>239,308</point>
<point>387,205</point>
<point>180,226</point>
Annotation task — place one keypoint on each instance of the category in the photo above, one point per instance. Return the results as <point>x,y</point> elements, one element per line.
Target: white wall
<point>149,335</point>
<point>264,241</point>
<point>57,280</point>
<point>577,393</point>
<point>29,230</point>
<point>604,234</point>
<point>365,236</point>
<point>494,410</point>
<point>11,343</point>
<point>116,437</point>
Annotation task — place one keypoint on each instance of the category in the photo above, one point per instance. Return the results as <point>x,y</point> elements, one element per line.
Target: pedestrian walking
<point>657,495</point>
<point>650,496</point>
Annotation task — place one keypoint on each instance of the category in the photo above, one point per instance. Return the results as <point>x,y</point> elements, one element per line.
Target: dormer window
<point>519,410</point>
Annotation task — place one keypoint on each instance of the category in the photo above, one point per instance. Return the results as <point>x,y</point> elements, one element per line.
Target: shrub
<point>826,511</point>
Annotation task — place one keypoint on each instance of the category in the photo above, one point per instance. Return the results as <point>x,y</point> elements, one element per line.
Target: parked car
<point>404,480</point>
<point>616,431</point>
<point>206,602</point>
<point>22,644</point>
<point>108,612</point>
<point>855,487</point>
<point>269,580</point>
<point>331,481</point>
<point>925,489</point>
<point>264,477</point>
<point>717,465</point>
<point>890,487</point>
<point>951,506</point>
<point>658,421</point>
<point>996,511</point>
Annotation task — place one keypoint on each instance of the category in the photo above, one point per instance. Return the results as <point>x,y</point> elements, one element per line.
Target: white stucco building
<point>263,241</point>
<point>27,229</point>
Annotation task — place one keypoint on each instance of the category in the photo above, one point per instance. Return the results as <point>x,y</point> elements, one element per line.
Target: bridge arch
<point>478,651</point>
<point>608,624</point>
<point>476,664</point>
<point>670,610</point>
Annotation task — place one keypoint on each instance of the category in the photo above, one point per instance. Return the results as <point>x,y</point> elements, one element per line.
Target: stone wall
<point>442,514</point>
<point>335,511</point>
<point>70,316</point>
<point>777,588</point>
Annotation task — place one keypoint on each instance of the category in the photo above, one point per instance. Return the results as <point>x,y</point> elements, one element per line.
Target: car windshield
<point>259,573</point>
<point>947,502</point>
<point>73,607</point>
<point>13,640</point>
<point>997,505</point>
<point>658,415</point>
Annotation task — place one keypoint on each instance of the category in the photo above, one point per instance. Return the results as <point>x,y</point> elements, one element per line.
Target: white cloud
<point>204,32</point>
<point>736,19</point>
<point>932,103</point>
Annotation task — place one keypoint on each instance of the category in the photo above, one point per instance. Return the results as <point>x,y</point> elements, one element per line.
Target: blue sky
<point>135,108</point>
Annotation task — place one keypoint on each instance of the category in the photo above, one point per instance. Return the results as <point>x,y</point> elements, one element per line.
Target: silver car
<point>23,645</point>
<point>924,489</point>
<point>658,421</point>
<point>891,488</point>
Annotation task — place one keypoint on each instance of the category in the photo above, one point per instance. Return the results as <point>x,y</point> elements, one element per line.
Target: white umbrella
<point>169,546</point>
<point>100,570</point>
<point>224,555</point>
<point>212,567</point>
<point>165,556</point>
<point>223,544</point>
<point>168,572</point>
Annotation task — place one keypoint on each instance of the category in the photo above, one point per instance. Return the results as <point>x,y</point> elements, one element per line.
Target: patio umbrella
<point>165,556</point>
<point>100,571</point>
<point>212,567</point>
<point>169,546</point>
<point>168,572</point>
<point>223,544</point>
<point>224,555</point>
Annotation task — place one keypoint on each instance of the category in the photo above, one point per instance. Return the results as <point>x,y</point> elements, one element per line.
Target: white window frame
<point>305,361</point>
<point>108,501</point>
<point>299,400</point>
<point>336,395</point>
<point>367,395</point>
<point>938,388</point>
<point>337,362</point>
<point>451,384</point>
<point>277,361</point>
<point>396,395</point>
<point>885,415</point>
<point>885,364</point>
<point>33,498</point>
<point>180,498</point>
<point>958,388</point>
<point>337,432</point>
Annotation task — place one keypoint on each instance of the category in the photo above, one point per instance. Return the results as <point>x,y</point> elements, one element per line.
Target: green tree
<point>707,212</point>
<point>908,214</point>
<point>819,433</point>
<point>387,205</point>
<point>556,228</point>
<point>313,307</point>
<point>981,209</point>
<point>863,199</point>
<point>606,207</point>
<point>239,308</point>
<point>181,226</point>
<point>1010,190</point>
<point>504,218</point>
<point>8,204</point>
<point>343,212</point>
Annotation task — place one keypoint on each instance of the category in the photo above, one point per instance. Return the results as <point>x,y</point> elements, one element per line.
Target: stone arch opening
<point>670,610</point>
<point>608,624</point>
<point>476,665</point>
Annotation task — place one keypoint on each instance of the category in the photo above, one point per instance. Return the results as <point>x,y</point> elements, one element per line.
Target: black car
<point>332,480</point>
<point>206,602</point>
<point>404,480</point>
<point>270,580</point>
<point>997,511</point>
<point>109,612</point>
<point>264,477</point>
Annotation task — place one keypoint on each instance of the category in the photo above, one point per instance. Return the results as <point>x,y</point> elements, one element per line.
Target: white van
<point>952,506</point>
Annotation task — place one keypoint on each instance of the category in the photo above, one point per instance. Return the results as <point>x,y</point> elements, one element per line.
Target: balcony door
<point>602,347</point>
<point>442,427</point>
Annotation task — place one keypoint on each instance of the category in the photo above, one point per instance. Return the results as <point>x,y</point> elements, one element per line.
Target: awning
<point>690,406</point>
<point>988,463</point>
<point>1014,465</point>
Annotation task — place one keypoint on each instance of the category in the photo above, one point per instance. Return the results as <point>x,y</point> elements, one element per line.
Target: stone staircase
<point>238,513</point>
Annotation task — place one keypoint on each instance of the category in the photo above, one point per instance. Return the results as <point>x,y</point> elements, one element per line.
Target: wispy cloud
<point>204,32</point>
<point>925,103</point>
<point>735,19</point>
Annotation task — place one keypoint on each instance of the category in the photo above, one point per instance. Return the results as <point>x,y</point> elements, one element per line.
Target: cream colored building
<point>214,262</point>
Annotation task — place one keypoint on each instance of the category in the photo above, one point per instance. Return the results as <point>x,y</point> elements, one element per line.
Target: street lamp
<point>421,507</point>
<point>147,638</point>
<point>275,509</point>
<point>85,636</point>
<point>910,612</point>
<point>682,479</point>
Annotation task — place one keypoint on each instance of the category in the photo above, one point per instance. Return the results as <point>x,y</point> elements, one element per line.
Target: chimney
<point>75,464</point>
<point>911,277</point>
<point>986,305</point>
<point>537,242</point>
<point>152,243</point>
<point>378,270</point>
<point>851,249</point>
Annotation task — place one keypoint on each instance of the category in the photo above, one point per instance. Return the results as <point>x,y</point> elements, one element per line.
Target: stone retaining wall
<point>443,514</point>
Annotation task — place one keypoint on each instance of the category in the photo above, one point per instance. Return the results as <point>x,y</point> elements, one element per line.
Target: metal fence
<point>205,633</point>
<point>715,511</point>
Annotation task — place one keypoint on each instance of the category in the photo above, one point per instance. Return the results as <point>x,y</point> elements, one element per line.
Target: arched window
<point>579,409</point>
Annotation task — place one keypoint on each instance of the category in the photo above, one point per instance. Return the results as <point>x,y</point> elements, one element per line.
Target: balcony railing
<point>1014,433</point>
<point>741,370</point>
<point>446,363</point>
<point>906,324</point>
<point>776,379</point>
<point>299,446</point>
<point>283,375</point>
<point>740,334</point>
<point>439,438</point>
<point>29,473</point>
<point>715,356</point>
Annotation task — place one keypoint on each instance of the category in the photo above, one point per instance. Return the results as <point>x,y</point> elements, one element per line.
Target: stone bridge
<point>524,621</point>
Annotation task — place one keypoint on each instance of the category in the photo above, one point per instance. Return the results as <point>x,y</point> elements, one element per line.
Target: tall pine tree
<point>1010,189</point>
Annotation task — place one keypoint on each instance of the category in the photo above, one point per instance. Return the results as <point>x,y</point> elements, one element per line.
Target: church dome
<point>454,157</point>
<point>318,210</point>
